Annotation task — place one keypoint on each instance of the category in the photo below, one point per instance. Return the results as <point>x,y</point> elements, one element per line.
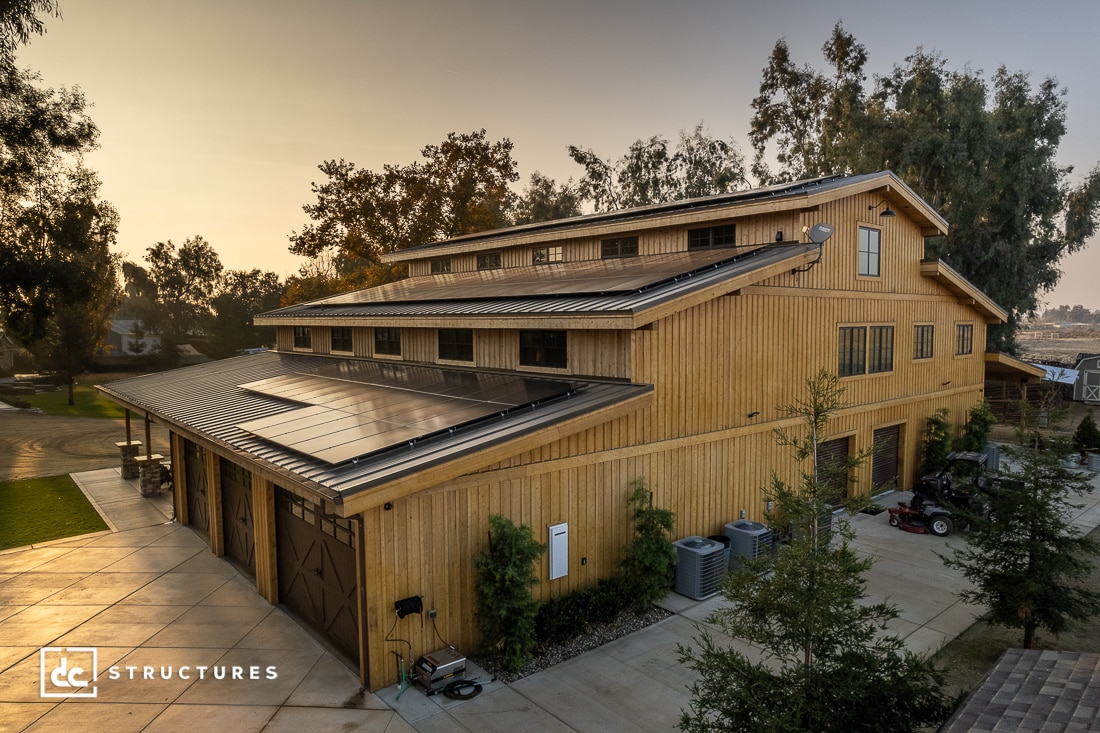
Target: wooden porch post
<point>263,533</point>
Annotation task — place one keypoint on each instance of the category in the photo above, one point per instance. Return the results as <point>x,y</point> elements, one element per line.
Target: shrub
<point>570,615</point>
<point>1087,435</point>
<point>647,570</point>
<point>978,426</point>
<point>936,441</point>
<point>505,609</point>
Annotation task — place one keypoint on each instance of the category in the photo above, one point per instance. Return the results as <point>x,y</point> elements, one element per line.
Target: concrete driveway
<point>148,594</point>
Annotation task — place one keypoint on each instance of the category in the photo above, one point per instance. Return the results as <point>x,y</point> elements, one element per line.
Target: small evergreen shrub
<point>936,441</point>
<point>565,617</point>
<point>650,561</point>
<point>505,575</point>
<point>1087,435</point>
<point>978,426</point>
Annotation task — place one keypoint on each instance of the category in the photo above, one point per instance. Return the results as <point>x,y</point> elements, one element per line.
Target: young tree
<point>1027,566</point>
<point>651,173</point>
<point>827,664</point>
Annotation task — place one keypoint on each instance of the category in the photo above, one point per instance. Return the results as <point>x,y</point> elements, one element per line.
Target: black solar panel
<point>568,278</point>
<point>357,408</point>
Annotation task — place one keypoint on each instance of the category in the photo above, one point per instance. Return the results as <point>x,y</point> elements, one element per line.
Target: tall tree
<point>241,296</point>
<point>43,189</point>
<point>651,172</point>
<point>18,21</point>
<point>826,664</point>
<point>461,187</point>
<point>544,200</point>
<point>981,152</point>
<point>176,292</point>
<point>1028,564</point>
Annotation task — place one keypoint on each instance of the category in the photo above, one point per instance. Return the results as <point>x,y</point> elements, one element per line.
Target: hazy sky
<point>215,114</point>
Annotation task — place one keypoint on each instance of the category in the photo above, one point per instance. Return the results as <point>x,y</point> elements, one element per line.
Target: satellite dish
<point>819,233</point>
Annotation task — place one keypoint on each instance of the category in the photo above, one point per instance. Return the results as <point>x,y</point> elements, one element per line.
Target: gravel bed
<point>547,656</point>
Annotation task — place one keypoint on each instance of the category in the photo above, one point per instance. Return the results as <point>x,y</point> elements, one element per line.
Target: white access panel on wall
<point>559,550</point>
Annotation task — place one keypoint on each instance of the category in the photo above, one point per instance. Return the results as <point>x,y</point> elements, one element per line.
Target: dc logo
<point>68,671</point>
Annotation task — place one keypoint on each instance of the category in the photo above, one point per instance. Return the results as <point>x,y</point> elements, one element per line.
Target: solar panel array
<point>357,408</point>
<point>567,278</point>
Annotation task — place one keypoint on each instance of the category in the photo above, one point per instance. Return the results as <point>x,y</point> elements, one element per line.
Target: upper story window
<point>721,236</point>
<point>489,261</point>
<point>543,349</point>
<point>870,241</point>
<point>865,350</point>
<point>303,337</point>
<point>441,266</point>
<point>341,338</point>
<point>387,341</point>
<point>620,247</point>
<point>456,344</point>
<point>546,255</point>
<point>964,339</point>
<point>922,341</point>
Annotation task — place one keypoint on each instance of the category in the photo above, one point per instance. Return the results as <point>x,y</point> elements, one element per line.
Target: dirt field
<point>43,445</point>
<point>1061,350</point>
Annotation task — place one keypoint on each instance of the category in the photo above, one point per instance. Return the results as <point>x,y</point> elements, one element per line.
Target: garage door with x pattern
<point>198,508</point>
<point>317,576</point>
<point>237,524</point>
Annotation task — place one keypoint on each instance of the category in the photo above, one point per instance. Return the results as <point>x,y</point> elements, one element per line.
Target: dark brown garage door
<point>240,543</point>
<point>884,465</point>
<point>317,569</point>
<point>198,510</point>
<point>832,470</point>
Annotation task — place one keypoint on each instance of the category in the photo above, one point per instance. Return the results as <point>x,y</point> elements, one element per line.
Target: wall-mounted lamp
<point>754,413</point>
<point>779,236</point>
<point>885,213</point>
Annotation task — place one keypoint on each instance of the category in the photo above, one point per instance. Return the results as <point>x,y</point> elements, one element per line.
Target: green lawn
<point>41,509</point>
<point>89,403</point>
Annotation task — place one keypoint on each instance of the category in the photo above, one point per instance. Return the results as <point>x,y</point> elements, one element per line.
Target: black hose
<point>462,690</point>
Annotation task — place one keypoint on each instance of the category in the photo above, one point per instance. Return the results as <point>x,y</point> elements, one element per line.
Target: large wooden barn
<point>536,371</point>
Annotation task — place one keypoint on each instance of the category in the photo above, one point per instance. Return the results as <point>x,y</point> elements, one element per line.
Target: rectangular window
<point>880,349</point>
<point>441,267</point>
<point>546,349</point>
<point>922,342</point>
<point>865,350</point>
<point>853,351</point>
<point>546,255</point>
<point>387,341</point>
<point>303,337</point>
<point>869,251</point>
<point>341,338</point>
<point>456,344</point>
<point>964,339</point>
<point>490,261</point>
<point>722,236</point>
<point>621,247</point>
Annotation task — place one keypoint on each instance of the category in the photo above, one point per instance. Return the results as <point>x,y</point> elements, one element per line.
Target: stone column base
<point>129,452</point>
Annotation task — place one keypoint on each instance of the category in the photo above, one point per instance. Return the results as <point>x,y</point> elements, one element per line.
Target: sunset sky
<point>215,114</point>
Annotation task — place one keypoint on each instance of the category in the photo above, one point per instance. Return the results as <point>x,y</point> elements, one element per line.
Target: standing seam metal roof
<point>629,303</point>
<point>207,400</point>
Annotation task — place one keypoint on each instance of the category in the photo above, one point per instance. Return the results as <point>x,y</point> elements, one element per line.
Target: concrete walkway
<point>148,593</point>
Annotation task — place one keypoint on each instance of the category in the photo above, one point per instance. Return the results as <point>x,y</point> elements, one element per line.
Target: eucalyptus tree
<point>981,151</point>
